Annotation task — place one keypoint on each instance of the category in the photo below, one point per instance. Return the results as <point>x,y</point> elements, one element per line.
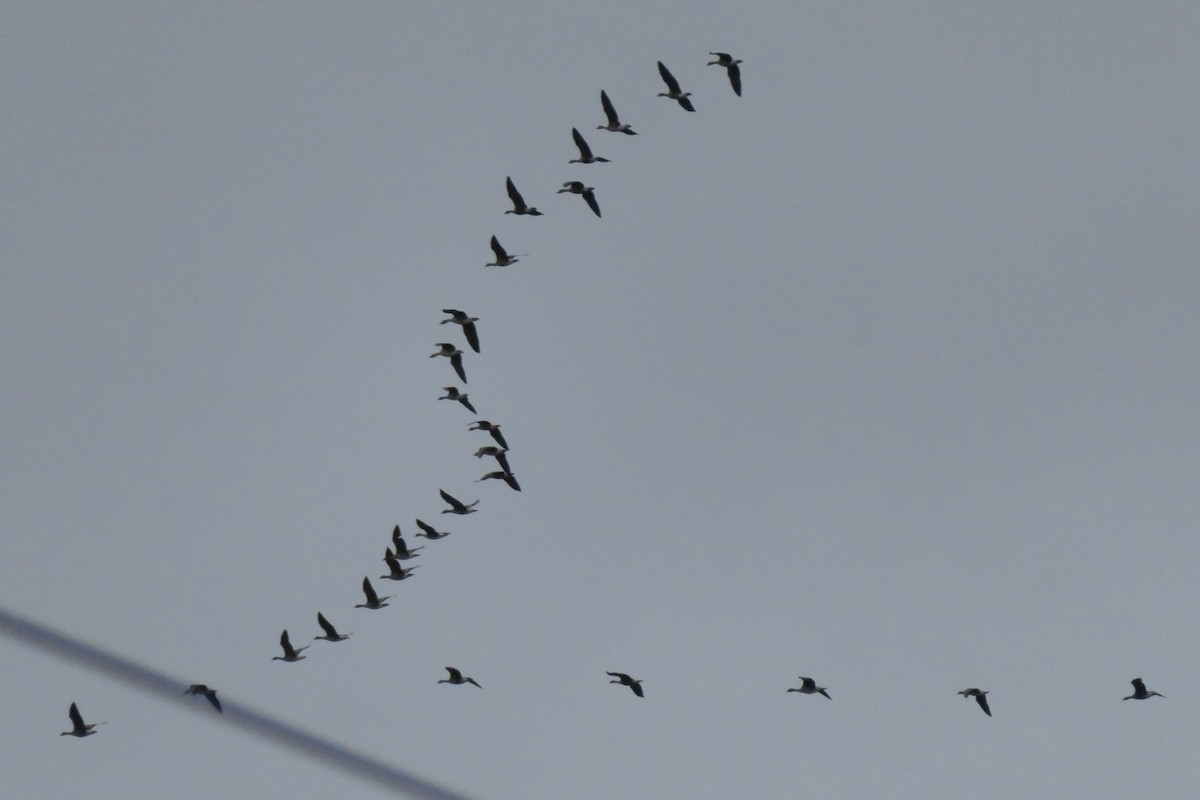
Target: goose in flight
<point>492,428</point>
<point>585,152</point>
<point>398,573</point>
<point>456,505</point>
<point>455,355</point>
<point>809,686</point>
<point>289,653</point>
<point>403,551</point>
<point>331,633</point>
<point>452,393</point>
<point>503,475</point>
<point>78,728</point>
<point>468,326</point>
<point>673,91</point>
<point>731,66</point>
<point>588,192</point>
<point>430,532</point>
<point>456,678</point>
<point>980,697</point>
<point>374,601</point>
<point>210,694</point>
<point>518,202</point>
<point>625,680</point>
<point>503,259</point>
<point>1139,691</point>
<point>496,453</point>
<point>614,124</point>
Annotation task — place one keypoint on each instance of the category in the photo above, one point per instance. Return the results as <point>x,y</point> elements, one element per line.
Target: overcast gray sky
<point>884,373</point>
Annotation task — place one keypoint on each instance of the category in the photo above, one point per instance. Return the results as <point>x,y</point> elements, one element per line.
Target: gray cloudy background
<point>885,373</point>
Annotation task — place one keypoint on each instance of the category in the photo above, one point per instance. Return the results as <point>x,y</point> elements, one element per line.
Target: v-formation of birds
<point>399,550</point>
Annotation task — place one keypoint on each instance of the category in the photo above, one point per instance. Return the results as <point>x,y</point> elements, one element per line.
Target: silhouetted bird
<point>492,428</point>
<point>210,694</point>
<point>731,66</point>
<point>589,194</point>
<point>452,393</point>
<point>456,505</point>
<point>1140,693</point>
<point>625,680</point>
<point>518,202</point>
<point>468,326</point>
<point>673,91</point>
<point>374,601</point>
<point>809,686</point>
<point>980,697</point>
<point>585,152</point>
<point>78,727</point>
<point>289,653</point>
<point>457,678</point>
<point>331,633</point>
<point>613,123</point>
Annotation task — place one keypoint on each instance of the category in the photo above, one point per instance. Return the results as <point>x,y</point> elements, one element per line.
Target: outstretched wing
<point>668,78</point>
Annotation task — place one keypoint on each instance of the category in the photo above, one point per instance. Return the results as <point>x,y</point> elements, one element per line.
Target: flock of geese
<point>398,551</point>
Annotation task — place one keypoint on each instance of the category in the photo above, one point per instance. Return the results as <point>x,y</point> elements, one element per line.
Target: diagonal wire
<point>258,723</point>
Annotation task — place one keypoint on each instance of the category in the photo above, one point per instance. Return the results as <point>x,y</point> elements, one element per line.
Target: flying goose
<point>456,678</point>
<point>78,727</point>
<point>673,91</point>
<point>452,393</point>
<point>456,506</point>
<point>331,633</point>
<point>585,152</point>
<point>492,428</point>
<point>455,355</point>
<point>809,686</point>
<point>503,475</point>
<point>980,697</point>
<point>468,326</point>
<point>503,259</point>
<point>374,601</point>
<point>614,124</point>
<point>496,453</point>
<point>588,192</point>
<point>211,694</point>
<point>518,202</point>
<point>398,573</point>
<point>731,66</point>
<point>289,653</point>
<point>403,551</point>
<point>625,680</point>
<point>429,532</point>
<point>1140,693</point>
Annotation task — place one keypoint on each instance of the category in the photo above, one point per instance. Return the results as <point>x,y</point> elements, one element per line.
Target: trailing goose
<point>1140,693</point>
<point>673,91</point>
<point>468,326</point>
<point>455,355</point>
<point>374,601</point>
<point>398,573</point>
<point>452,393</point>
<point>503,259</point>
<point>331,633</point>
<point>403,551</point>
<point>210,694</point>
<point>518,202</point>
<point>430,532</point>
<point>492,428</point>
<point>614,124</point>
<point>502,475</point>
<point>588,192</point>
<point>78,728</point>
<point>456,505</point>
<point>809,686</point>
<point>497,453</point>
<point>980,697</point>
<point>289,653</point>
<point>456,678</point>
<point>625,680</point>
<point>585,152</point>
<point>731,66</point>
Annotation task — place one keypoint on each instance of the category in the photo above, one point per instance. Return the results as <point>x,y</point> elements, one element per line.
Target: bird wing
<point>502,460</point>
<point>585,152</point>
<point>723,57</point>
<point>982,700</point>
<point>511,480</point>
<point>325,626</point>
<point>455,675</point>
<point>211,694</point>
<point>427,528</point>
<point>453,501</point>
<point>456,362</point>
<point>609,111</point>
<point>590,197</point>
<point>1139,685</point>
<point>735,78</point>
<point>686,102</point>
<point>76,717</point>
<point>501,253</point>
<point>467,403</point>
<point>398,539</point>
<point>621,676</point>
<point>369,591</point>
<point>394,566</point>
<point>499,437</point>
<point>808,683</point>
<point>668,78</point>
<point>285,642</point>
<point>472,335</point>
<point>637,689</point>
<point>514,195</point>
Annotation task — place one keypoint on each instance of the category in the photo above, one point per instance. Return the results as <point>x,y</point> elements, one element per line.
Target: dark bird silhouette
<point>452,393</point>
<point>625,680</point>
<point>331,633</point>
<point>492,428</point>
<point>457,678</point>
<point>503,475</point>
<point>1140,693</point>
<point>518,202</point>
<point>398,572</point>
<point>731,67</point>
<point>289,653</point>
<point>429,532</point>
<point>455,355</point>
<point>78,728</point>
<point>497,453</point>
<point>503,259</point>
<point>374,601</point>
<point>403,552</point>
<point>456,505</point>
<point>809,686</point>
<point>588,192</point>
<point>468,326</point>
<point>614,124</point>
<point>585,152</point>
<point>980,697</point>
<point>673,91</point>
<point>210,694</point>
